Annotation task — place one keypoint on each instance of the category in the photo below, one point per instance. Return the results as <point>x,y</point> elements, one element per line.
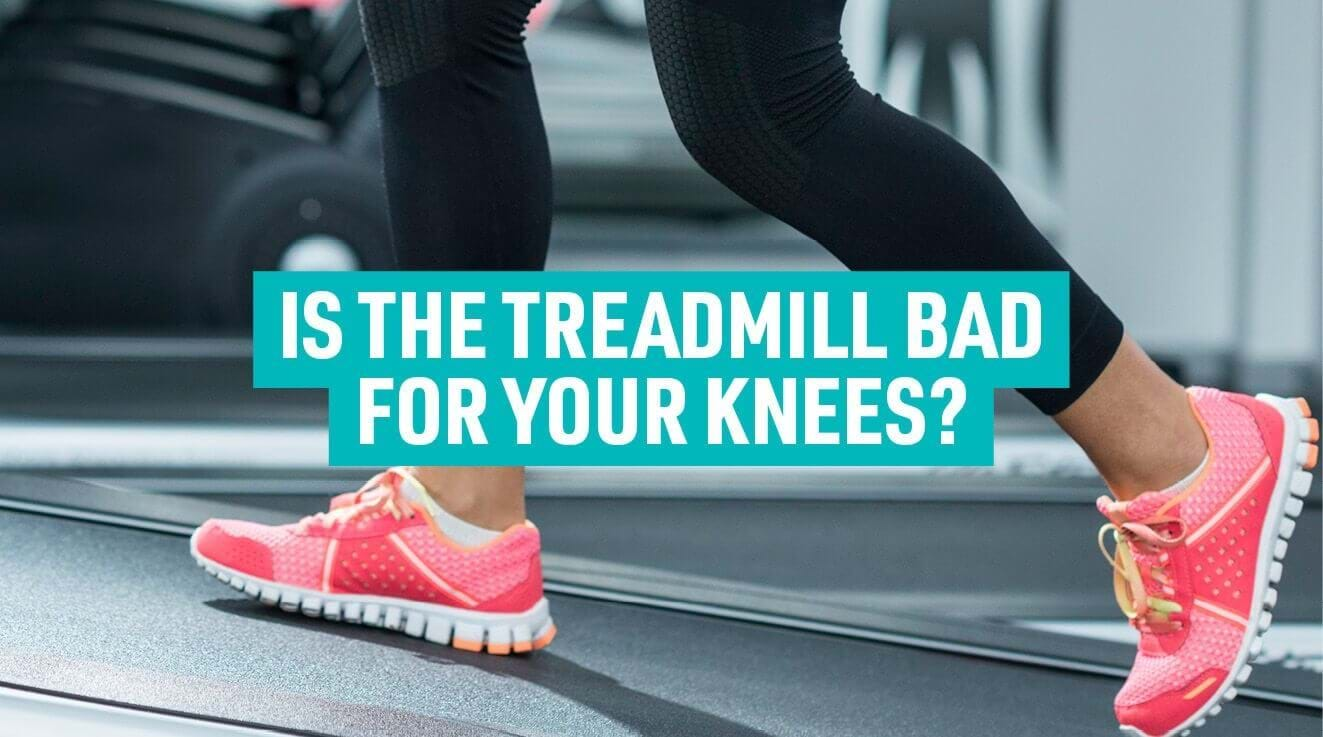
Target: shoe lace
<point>1132,580</point>
<point>389,500</point>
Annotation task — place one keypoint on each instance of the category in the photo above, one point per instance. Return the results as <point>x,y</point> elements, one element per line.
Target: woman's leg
<point>763,98</point>
<point>468,179</point>
<point>491,497</point>
<point>1135,424</point>
<point>765,101</point>
<point>468,176</point>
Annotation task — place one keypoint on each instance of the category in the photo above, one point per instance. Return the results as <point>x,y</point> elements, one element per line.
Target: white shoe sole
<point>495,633</point>
<point>1293,483</point>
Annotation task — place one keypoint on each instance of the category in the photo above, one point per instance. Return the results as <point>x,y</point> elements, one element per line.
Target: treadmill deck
<point>124,615</point>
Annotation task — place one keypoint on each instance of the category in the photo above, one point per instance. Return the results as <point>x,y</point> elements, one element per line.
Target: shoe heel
<point>1307,451</point>
<point>1304,428</point>
<point>1301,441</point>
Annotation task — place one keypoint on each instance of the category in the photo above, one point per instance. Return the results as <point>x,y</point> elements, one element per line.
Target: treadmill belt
<point>868,553</point>
<point>124,615</point>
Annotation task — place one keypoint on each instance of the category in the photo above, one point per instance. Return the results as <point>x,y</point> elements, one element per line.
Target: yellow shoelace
<point>1131,581</point>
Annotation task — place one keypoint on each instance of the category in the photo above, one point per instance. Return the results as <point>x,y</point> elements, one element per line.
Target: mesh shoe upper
<point>375,549</point>
<point>1196,550</point>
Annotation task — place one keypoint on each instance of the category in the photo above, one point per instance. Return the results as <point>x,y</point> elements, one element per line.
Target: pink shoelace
<point>1135,576</point>
<point>382,494</point>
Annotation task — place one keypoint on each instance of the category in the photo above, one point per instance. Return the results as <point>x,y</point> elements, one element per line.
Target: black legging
<point>468,176</point>
<point>764,100</point>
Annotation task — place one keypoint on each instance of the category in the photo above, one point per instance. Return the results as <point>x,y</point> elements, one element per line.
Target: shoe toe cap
<point>1162,714</point>
<point>235,544</point>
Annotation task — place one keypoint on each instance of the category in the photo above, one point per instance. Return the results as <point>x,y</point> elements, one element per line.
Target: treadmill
<point>702,621</point>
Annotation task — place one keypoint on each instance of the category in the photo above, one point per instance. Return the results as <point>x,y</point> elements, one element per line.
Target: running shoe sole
<point>496,633</point>
<point>1299,456</point>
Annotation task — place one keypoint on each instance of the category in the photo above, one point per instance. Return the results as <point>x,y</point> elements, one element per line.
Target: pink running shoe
<point>383,562</point>
<point>1195,566</point>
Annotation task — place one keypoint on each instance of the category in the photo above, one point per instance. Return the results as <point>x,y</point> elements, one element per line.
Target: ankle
<point>1154,465</point>
<point>490,498</point>
<point>472,506</point>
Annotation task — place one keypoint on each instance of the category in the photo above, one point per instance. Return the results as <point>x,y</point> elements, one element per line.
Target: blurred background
<point>154,152</point>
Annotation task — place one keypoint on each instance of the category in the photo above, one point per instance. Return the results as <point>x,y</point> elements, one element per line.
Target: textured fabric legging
<point>468,176</point>
<point>763,99</point>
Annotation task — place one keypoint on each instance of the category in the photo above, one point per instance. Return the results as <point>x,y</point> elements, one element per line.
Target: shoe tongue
<point>1143,506</point>
<point>1149,503</point>
<point>1151,644</point>
<point>1146,505</point>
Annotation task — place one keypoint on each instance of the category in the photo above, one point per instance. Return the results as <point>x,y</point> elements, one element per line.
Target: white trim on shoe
<point>1292,485</point>
<point>496,632</point>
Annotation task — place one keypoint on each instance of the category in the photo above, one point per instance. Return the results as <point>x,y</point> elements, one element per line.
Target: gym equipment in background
<point>158,154</point>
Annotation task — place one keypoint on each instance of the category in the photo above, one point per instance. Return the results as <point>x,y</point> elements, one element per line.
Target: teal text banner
<point>661,368</point>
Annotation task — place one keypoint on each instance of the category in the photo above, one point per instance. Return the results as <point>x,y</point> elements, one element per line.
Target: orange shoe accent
<point>546,639</point>
<point>1311,426</point>
<point>1311,460</point>
<point>456,595</point>
<point>1195,632</point>
<point>470,645</point>
<point>1304,407</point>
<point>1200,688</point>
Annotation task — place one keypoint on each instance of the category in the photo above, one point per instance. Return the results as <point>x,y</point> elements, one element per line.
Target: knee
<point>747,102</point>
<point>407,37</point>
